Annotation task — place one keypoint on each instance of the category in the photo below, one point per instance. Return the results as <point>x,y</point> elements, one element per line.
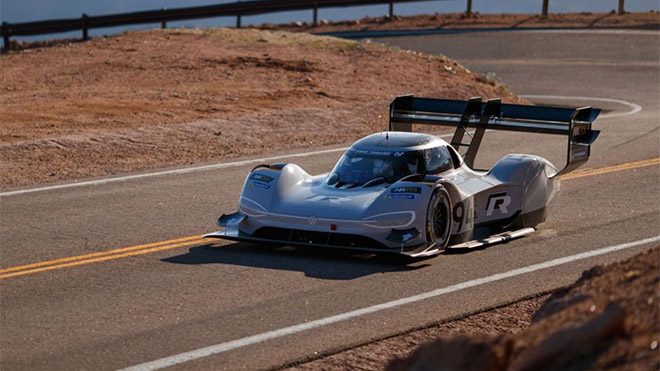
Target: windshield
<point>361,167</point>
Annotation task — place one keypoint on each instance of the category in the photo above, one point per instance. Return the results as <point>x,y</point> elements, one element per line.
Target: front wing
<point>310,238</point>
<point>306,238</point>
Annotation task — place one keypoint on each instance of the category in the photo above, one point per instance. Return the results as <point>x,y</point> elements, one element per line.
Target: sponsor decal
<point>406,190</point>
<point>376,153</point>
<point>580,129</point>
<point>261,178</point>
<point>498,201</point>
<point>401,196</point>
<point>580,153</point>
<point>260,185</point>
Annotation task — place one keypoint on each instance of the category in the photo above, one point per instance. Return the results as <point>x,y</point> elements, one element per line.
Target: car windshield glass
<point>437,160</point>
<point>362,167</point>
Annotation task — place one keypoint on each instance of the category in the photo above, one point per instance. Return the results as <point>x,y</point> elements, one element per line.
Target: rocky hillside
<point>168,98</point>
<point>608,319</point>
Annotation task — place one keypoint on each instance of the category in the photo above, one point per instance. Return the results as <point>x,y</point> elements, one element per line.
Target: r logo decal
<point>498,201</point>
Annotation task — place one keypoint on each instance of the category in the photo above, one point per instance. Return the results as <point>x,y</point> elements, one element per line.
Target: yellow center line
<point>611,169</point>
<point>44,268</point>
<point>189,241</point>
<point>97,254</point>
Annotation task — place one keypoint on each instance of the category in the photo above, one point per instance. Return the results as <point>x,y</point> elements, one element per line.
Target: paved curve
<point>137,309</point>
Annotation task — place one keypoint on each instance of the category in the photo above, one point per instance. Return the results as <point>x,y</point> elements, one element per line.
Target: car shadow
<point>313,262</point>
<point>457,251</point>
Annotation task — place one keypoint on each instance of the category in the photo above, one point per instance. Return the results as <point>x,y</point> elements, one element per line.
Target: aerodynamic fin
<point>575,124</point>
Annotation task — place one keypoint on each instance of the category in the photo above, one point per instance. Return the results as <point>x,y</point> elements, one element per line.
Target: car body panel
<point>289,199</point>
<point>378,197</point>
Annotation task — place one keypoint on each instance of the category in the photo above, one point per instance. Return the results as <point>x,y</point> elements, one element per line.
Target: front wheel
<point>438,218</point>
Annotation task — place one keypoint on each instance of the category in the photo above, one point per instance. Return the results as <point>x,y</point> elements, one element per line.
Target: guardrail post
<point>468,11</point>
<point>621,8</point>
<point>85,25</point>
<point>163,23</point>
<point>315,19</point>
<point>5,36</point>
<point>544,12</point>
<point>391,12</point>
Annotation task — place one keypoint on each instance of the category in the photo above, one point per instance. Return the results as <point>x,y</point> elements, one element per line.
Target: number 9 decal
<point>458,215</point>
<point>462,215</point>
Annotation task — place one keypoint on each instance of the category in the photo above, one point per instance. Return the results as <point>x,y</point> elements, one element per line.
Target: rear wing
<point>575,124</point>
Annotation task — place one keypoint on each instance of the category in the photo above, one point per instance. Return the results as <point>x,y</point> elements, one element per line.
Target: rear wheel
<point>438,218</point>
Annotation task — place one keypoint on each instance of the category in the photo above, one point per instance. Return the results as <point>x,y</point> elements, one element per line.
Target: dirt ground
<point>608,319</point>
<point>449,21</point>
<point>376,356</point>
<point>167,98</point>
<point>170,98</point>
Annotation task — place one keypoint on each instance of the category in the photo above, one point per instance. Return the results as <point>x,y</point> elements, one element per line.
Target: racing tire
<point>438,218</point>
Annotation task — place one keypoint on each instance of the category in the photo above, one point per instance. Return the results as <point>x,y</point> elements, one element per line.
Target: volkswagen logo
<point>312,220</point>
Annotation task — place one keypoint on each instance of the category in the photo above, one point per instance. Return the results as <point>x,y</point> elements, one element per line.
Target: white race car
<point>411,193</point>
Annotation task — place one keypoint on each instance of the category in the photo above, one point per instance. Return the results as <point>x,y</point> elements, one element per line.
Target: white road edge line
<point>222,165</point>
<point>217,166</point>
<point>259,338</point>
<point>634,109</point>
<point>597,32</point>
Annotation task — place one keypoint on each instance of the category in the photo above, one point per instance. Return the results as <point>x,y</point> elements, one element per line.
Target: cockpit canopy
<point>381,163</point>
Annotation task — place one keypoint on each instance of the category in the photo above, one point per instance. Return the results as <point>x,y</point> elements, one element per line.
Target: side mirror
<point>333,179</point>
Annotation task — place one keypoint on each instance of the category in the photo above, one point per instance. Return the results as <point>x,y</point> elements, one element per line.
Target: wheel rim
<point>440,220</point>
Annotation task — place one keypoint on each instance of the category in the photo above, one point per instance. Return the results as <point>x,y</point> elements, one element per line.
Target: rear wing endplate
<point>575,124</point>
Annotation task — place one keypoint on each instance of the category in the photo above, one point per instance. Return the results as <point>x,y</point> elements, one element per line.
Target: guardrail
<point>162,16</point>
<point>544,9</point>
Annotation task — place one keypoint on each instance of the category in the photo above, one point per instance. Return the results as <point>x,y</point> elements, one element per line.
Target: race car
<point>412,193</point>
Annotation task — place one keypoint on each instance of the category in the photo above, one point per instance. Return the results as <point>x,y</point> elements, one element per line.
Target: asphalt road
<point>124,308</point>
